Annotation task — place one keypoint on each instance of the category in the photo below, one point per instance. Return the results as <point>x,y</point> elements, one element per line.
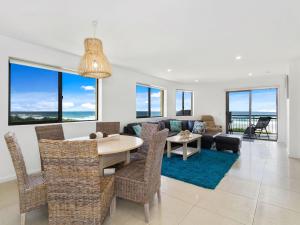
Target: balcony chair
<point>260,126</point>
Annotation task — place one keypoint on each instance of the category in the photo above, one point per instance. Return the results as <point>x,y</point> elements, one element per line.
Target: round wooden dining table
<point>114,150</point>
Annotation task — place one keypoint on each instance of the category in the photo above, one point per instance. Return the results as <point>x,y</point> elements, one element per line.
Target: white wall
<point>294,109</point>
<point>119,97</point>
<point>26,134</point>
<point>118,100</point>
<point>211,98</point>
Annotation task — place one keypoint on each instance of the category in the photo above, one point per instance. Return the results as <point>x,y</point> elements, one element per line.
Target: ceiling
<point>196,39</point>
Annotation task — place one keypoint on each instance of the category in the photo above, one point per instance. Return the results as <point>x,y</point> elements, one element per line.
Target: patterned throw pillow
<point>199,127</point>
<point>137,129</point>
<point>175,125</point>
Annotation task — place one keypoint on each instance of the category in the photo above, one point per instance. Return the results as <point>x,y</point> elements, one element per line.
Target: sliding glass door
<point>252,113</point>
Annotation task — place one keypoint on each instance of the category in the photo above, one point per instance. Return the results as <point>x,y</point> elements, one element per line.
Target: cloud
<point>88,88</point>
<point>68,104</point>
<point>34,101</point>
<point>155,95</point>
<point>88,106</point>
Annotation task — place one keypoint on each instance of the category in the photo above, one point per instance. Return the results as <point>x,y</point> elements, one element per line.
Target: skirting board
<point>13,177</point>
<point>293,156</point>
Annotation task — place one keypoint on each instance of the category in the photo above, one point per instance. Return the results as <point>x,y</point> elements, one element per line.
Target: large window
<point>184,103</point>
<point>46,95</point>
<point>149,101</point>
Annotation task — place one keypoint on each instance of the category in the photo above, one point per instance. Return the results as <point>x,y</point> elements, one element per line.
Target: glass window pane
<point>239,102</point>
<point>239,109</point>
<point>141,101</point>
<point>179,106</point>
<point>264,104</point>
<point>79,98</point>
<point>188,103</point>
<point>156,102</point>
<point>34,95</point>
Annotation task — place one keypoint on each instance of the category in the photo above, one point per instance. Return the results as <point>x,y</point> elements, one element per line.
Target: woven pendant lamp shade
<point>94,63</point>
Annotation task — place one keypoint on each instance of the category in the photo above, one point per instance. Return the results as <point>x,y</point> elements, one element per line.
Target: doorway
<point>253,113</point>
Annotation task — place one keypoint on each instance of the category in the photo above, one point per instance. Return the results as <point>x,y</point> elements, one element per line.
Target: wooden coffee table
<point>184,150</point>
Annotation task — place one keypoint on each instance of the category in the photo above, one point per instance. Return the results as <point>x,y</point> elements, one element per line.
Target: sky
<point>263,100</point>
<point>187,100</point>
<point>142,98</point>
<point>35,89</point>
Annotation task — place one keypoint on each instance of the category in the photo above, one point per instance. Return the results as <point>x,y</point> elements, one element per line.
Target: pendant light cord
<point>95,24</point>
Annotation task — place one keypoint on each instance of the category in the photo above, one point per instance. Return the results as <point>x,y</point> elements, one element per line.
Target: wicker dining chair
<point>50,132</point>
<point>108,127</point>
<point>32,188</point>
<point>77,194</point>
<point>140,180</point>
<point>148,130</point>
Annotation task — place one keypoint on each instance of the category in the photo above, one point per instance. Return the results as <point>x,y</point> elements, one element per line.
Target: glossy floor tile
<point>261,188</point>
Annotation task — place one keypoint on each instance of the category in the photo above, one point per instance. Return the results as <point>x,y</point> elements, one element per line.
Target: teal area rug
<point>205,169</point>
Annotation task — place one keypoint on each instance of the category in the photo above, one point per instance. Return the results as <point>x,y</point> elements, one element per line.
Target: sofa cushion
<point>175,125</point>
<point>137,129</point>
<point>184,124</point>
<point>161,125</point>
<point>190,125</point>
<point>129,130</point>
<point>199,127</point>
<point>166,123</point>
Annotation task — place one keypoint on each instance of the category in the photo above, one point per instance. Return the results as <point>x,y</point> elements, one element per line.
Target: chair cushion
<point>135,156</point>
<point>175,125</point>
<point>133,171</point>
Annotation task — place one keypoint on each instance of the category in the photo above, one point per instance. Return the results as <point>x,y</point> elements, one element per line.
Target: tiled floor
<point>262,188</point>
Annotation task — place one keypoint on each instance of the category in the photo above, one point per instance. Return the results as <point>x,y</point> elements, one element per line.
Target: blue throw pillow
<point>137,129</point>
<point>199,127</point>
<point>175,125</point>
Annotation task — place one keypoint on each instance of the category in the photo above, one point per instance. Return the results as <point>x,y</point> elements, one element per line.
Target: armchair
<point>210,124</point>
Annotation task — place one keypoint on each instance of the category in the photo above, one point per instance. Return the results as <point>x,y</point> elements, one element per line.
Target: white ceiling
<point>197,39</point>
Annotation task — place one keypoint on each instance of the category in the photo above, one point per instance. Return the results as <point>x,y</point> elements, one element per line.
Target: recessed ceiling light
<point>169,70</point>
<point>250,74</point>
<point>238,57</point>
<point>196,81</point>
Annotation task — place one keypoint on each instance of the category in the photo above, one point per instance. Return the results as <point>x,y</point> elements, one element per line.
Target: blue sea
<point>74,116</point>
<point>80,115</point>
<point>254,114</point>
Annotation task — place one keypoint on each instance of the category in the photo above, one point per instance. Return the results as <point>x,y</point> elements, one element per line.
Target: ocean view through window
<point>79,98</point>
<point>149,101</point>
<point>46,95</point>
<point>246,107</point>
<point>184,103</point>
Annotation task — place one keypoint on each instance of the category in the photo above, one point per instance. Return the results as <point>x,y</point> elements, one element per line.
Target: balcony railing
<point>241,122</point>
